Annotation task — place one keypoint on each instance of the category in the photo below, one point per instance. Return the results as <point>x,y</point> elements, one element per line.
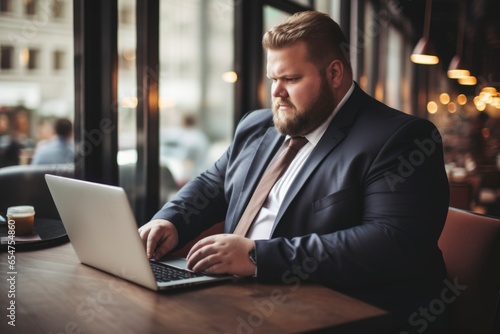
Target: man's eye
<point>291,79</point>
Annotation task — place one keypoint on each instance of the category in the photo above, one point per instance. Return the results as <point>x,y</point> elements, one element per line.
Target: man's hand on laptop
<point>222,254</point>
<point>159,237</point>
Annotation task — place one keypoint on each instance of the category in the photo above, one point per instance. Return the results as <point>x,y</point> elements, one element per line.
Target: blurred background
<point>174,94</point>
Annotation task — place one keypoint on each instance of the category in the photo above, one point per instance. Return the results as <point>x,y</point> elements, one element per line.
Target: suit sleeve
<point>202,202</point>
<point>404,201</point>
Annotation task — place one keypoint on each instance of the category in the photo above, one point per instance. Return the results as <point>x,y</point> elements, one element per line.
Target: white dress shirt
<point>264,221</point>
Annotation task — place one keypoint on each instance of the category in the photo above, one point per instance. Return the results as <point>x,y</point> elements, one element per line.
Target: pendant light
<point>469,80</point>
<point>457,68</point>
<point>423,52</point>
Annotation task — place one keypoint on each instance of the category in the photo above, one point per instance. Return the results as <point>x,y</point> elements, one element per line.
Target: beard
<point>297,122</point>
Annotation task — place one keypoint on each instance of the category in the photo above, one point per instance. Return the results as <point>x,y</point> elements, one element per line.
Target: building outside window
<point>58,9</point>
<point>5,6</point>
<point>59,60</point>
<point>6,57</point>
<point>30,7</point>
<point>33,59</point>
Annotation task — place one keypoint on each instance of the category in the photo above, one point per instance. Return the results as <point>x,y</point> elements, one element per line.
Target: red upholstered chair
<point>471,248</point>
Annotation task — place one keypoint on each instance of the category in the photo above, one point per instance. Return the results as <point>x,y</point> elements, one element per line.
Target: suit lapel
<point>268,146</point>
<point>334,134</point>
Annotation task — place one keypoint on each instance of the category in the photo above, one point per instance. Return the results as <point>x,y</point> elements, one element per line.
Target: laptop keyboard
<point>165,273</point>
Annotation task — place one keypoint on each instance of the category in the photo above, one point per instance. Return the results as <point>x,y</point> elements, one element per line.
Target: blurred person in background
<point>5,141</point>
<point>59,149</point>
<point>184,149</point>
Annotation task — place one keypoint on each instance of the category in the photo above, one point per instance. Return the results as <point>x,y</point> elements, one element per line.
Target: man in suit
<point>360,208</point>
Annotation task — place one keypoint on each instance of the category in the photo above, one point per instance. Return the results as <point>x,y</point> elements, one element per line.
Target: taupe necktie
<point>271,175</point>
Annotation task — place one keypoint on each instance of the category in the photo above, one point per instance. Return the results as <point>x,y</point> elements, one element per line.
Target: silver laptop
<point>103,231</point>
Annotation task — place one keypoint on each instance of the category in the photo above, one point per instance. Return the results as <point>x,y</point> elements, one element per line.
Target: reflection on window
<point>6,55</point>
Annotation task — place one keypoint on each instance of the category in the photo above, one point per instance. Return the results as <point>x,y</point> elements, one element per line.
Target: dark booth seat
<point>25,185</point>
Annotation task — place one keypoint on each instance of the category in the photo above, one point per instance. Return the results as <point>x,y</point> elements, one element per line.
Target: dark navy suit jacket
<point>363,215</point>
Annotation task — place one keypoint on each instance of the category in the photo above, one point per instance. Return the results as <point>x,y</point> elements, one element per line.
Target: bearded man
<point>359,207</point>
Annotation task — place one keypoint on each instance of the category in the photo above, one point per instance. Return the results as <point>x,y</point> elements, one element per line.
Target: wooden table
<point>54,293</point>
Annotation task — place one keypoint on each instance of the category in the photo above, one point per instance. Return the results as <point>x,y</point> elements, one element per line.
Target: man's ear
<point>335,73</point>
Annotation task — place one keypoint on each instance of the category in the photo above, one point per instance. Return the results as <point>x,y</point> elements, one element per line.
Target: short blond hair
<point>322,35</point>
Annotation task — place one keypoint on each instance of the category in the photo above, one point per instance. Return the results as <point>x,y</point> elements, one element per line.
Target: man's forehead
<point>296,49</point>
<point>287,59</point>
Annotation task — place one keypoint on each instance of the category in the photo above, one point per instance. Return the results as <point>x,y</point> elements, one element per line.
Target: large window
<point>196,86</point>
<point>196,90</point>
<point>127,96</point>
<point>32,95</point>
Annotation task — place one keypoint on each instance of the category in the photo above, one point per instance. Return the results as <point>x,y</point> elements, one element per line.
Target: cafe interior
<point>154,90</point>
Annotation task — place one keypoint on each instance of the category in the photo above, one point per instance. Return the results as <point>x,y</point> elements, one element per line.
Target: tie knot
<point>297,142</point>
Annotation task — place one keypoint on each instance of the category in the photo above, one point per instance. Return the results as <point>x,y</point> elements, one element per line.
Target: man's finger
<point>153,238</point>
<point>207,262</point>
<point>218,268</point>
<point>163,247</point>
<point>200,244</point>
<point>143,234</point>
<point>198,255</point>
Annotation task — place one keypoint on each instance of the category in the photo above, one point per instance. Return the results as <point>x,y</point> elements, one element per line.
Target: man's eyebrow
<point>285,75</point>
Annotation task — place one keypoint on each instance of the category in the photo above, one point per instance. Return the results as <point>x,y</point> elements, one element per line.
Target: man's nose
<point>278,90</point>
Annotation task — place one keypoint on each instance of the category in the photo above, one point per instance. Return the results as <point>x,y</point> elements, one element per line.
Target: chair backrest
<point>471,249</point>
<point>25,185</point>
